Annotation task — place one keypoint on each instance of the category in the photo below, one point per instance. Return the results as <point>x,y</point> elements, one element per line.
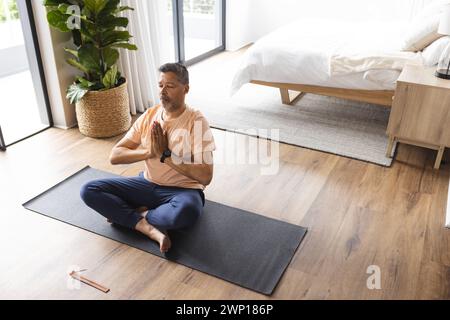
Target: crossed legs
<point>139,204</point>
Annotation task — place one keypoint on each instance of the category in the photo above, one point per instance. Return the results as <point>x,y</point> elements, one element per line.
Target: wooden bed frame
<point>381,97</point>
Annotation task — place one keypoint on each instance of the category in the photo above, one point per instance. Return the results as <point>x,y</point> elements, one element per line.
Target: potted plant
<point>100,94</point>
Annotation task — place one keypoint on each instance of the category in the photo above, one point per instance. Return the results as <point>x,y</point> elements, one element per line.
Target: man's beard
<point>169,105</point>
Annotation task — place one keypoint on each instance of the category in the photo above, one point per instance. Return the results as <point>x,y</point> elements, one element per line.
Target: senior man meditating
<point>176,144</point>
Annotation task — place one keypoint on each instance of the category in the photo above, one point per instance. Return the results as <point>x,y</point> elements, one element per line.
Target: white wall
<point>239,31</point>
<point>249,20</point>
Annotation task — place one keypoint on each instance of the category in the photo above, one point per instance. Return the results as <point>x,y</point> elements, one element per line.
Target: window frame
<point>178,30</point>
<point>36,69</point>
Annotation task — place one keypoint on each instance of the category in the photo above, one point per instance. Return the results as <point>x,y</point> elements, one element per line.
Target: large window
<point>198,28</point>
<point>24,107</point>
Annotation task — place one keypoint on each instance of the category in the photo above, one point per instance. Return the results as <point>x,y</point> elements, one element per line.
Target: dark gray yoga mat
<point>244,248</point>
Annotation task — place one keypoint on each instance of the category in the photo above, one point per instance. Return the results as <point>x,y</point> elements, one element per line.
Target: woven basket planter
<point>104,114</point>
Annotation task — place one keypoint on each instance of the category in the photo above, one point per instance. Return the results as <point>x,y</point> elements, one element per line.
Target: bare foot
<point>150,231</point>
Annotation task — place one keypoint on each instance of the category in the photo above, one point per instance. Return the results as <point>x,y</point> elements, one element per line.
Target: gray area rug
<point>343,127</point>
<point>244,248</point>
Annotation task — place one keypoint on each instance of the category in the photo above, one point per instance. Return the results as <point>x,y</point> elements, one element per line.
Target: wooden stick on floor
<point>74,275</point>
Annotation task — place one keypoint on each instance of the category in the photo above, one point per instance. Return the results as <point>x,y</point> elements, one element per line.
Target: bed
<point>352,60</point>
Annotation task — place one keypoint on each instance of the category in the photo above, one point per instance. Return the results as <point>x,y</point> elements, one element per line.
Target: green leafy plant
<point>13,10</point>
<point>2,12</point>
<point>97,36</point>
<point>12,13</point>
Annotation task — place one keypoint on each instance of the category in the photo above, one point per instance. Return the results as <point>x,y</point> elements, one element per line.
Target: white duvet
<point>330,53</point>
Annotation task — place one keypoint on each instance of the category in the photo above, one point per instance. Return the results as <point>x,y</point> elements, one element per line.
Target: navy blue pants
<point>118,198</point>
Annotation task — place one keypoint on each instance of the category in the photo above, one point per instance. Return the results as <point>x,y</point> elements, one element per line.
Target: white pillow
<point>421,33</point>
<point>432,53</point>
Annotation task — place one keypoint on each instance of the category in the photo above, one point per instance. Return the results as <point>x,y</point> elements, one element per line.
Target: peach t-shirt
<point>189,134</point>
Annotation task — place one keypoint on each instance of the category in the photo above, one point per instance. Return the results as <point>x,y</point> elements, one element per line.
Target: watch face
<point>167,153</point>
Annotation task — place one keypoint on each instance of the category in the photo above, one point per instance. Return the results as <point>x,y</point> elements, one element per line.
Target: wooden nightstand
<point>420,113</point>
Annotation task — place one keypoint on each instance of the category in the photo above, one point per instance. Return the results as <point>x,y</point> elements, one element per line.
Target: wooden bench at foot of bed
<point>381,97</point>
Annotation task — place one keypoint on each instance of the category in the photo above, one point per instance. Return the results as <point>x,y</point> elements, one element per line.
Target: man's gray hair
<point>177,68</point>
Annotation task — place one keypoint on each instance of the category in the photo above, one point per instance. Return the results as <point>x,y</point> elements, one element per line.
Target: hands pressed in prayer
<point>159,140</point>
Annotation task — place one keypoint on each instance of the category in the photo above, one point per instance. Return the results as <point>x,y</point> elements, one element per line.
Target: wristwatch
<point>166,154</point>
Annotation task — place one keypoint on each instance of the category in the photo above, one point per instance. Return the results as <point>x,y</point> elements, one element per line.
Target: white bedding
<point>310,52</point>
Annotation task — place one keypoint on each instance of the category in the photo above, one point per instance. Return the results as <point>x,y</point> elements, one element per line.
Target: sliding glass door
<point>198,29</point>
<point>24,105</point>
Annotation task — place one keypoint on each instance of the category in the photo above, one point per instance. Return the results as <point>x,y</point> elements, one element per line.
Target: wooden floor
<point>358,214</point>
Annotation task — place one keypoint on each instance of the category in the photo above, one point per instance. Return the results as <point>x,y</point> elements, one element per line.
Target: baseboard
<point>65,127</point>
<point>447,220</point>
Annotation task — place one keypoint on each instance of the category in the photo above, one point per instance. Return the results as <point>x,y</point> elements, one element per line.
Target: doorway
<point>24,107</point>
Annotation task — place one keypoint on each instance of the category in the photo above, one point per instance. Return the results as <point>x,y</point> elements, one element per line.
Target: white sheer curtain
<point>141,67</point>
